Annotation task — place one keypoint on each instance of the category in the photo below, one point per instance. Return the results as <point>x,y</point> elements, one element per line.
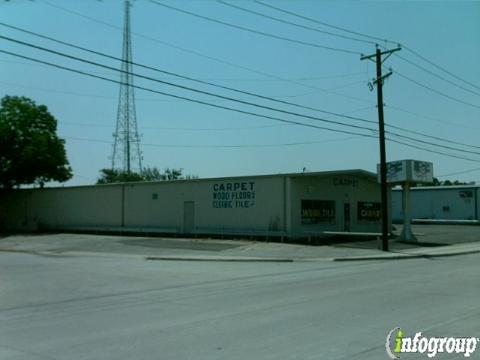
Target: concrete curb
<point>219,259</point>
<point>404,256</point>
<point>243,259</point>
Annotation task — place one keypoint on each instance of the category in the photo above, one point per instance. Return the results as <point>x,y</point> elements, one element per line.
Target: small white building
<point>440,203</point>
<point>284,205</point>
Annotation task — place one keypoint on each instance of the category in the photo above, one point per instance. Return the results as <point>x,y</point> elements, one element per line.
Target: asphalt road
<point>124,308</point>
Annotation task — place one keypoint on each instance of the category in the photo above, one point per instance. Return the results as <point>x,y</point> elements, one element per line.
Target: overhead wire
<point>261,72</point>
<point>229,108</point>
<point>440,67</point>
<point>435,91</point>
<point>74,93</point>
<point>156,69</point>
<point>229,146</point>
<point>321,22</point>
<point>292,23</point>
<point>186,128</point>
<point>244,102</point>
<point>394,134</point>
<point>221,86</point>
<point>187,98</point>
<point>178,128</point>
<point>235,79</point>
<point>426,117</point>
<point>431,151</point>
<point>436,75</point>
<point>432,144</point>
<point>460,172</point>
<point>345,37</point>
<point>235,100</point>
<point>208,57</point>
<point>432,136</point>
<point>386,41</point>
<point>258,32</point>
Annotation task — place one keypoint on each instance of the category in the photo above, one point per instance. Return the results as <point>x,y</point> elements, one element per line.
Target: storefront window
<point>318,212</point>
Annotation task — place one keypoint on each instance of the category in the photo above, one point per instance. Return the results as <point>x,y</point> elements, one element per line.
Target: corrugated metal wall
<point>455,203</point>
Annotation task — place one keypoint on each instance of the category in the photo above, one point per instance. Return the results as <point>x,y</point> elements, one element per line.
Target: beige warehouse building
<point>284,205</point>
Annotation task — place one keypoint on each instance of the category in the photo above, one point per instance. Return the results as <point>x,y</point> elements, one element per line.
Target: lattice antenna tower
<point>126,148</point>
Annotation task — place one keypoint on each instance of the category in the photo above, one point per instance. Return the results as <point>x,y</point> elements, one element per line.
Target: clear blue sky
<point>448,33</point>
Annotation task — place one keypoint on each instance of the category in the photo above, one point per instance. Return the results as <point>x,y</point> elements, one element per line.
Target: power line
<point>229,146</point>
<point>293,24</point>
<point>186,128</point>
<point>235,79</point>
<point>257,71</point>
<point>177,128</point>
<point>208,57</point>
<point>435,91</point>
<point>274,145</point>
<point>321,22</point>
<point>436,75</point>
<point>345,37</point>
<point>416,132</point>
<point>432,151</point>
<point>186,87</point>
<point>432,137</point>
<point>429,117</point>
<point>253,31</point>
<point>225,87</point>
<point>386,41</point>
<point>440,67</point>
<point>269,126</point>
<point>233,99</point>
<point>74,93</point>
<point>254,104</point>
<point>188,99</point>
<point>433,144</point>
<point>175,74</point>
<point>227,108</point>
<point>460,172</point>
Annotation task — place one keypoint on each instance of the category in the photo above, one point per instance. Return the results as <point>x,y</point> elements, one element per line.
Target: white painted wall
<point>342,189</point>
<point>258,205</point>
<point>264,211</point>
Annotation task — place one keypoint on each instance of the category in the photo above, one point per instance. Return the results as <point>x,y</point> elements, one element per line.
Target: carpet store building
<point>284,205</point>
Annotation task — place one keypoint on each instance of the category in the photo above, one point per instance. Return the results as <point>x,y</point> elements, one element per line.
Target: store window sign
<point>231,195</point>
<point>318,212</point>
<point>369,211</point>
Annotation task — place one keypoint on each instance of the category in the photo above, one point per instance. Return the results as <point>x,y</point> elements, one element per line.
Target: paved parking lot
<point>120,308</point>
<point>428,235</point>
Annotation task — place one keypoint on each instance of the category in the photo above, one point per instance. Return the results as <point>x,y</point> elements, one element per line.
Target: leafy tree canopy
<point>30,150</point>
<point>108,176</point>
<point>437,182</point>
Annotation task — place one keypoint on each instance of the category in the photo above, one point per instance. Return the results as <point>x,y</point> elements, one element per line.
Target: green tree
<point>30,150</point>
<point>152,174</point>
<point>108,176</point>
<point>437,182</point>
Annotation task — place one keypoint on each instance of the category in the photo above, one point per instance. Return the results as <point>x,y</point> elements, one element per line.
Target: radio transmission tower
<point>126,148</point>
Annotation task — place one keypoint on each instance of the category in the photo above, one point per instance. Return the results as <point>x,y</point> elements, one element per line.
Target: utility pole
<point>126,148</point>
<point>381,129</point>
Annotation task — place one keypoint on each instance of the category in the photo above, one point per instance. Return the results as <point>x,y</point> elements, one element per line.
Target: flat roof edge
<point>296,175</point>
<point>443,187</point>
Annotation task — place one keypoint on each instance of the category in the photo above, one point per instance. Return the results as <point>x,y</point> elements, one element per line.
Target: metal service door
<point>346,217</point>
<point>188,217</point>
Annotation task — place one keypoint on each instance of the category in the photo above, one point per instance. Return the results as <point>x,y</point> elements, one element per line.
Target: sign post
<point>407,234</point>
<point>407,173</point>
